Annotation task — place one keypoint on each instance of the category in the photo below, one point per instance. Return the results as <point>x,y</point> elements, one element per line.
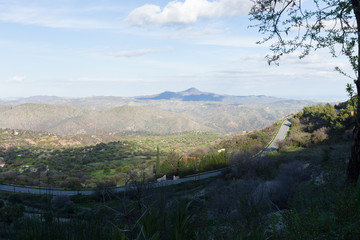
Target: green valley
<point>295,192</point>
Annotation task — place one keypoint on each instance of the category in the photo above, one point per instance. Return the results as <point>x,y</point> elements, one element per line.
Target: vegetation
<point>316,124</point>
<point>298,27</point>
<point>119,117</point>
<point>181,143</point>
<point>218,155</point>
<point>41,159</point>
<point>296,193</point>
<point>74,167</point>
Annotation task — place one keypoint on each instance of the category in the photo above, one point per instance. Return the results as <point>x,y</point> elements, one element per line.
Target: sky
<point>83,48</point>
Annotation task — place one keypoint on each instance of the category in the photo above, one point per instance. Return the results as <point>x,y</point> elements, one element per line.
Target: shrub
<point>339,221</point>
<point>106,170</point>
<point>60,201</point>
<point>281,144</point>
<point>295,121</point>
<point>11,212</point>
<point>183,222</point>
<point>221,200</point>
<point>238,158</point>
<point>15,198</point>
<point>149,226</point>
<point>11,175</point>
<point>69,208</point>
<point>71,182</point>
<point>278,190</point>
<point>319,135</point>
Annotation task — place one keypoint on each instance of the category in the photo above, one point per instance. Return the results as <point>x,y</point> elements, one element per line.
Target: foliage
<point>73,167</point>
<point>319,135</point>
<point>339,221</point>
<point>298,25</point>
<point>149,226</point>
<point>306,26</point>
<point>271,198</point>
<point>319,123</point>
<point>182,228</point>
<point>321,114</point>
<point>295,194</point>
<point>59,201</point>
<point>11,212</point>
<point>59,230</point>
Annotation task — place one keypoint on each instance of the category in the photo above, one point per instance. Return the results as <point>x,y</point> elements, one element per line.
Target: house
<point>2,164</point>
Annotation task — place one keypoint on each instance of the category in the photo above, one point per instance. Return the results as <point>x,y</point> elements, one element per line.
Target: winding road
<point>281,135</point>
<point>273,146</point>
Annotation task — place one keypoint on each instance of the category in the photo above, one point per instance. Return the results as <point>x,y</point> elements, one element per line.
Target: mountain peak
<point>192,91</point>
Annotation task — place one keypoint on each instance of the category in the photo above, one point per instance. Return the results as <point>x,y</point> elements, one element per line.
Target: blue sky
<point>79,48</point>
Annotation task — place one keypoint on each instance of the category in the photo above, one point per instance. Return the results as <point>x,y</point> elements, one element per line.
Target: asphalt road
<point>58,191</point>
<point>284,129</point>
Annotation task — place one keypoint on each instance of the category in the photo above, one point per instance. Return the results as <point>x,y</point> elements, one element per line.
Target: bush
<point>319,135</point>
<point>238,158</point>
<point>69,208</point>
<point>15,198</point>
<point>11,175</point>
<point>281,144</point>
<point>60,201</point>
<point>11,212</point>
<point>71,182</point>
<point>279,190</point>
<point>339,221</point>
<point>106,170</point>
<point>295,121</point>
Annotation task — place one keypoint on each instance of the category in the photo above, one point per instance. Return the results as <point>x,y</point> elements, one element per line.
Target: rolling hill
<point>69,120</point>
<point>164,113</point>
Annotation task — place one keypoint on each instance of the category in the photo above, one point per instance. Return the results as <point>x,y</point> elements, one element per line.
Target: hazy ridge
<point>164,113</point>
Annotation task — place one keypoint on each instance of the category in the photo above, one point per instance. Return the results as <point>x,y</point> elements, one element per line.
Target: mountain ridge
<point>163,113</point>
<point>107,102</point>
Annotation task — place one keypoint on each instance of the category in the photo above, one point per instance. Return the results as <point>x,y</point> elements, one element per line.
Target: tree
<point>305,26</point>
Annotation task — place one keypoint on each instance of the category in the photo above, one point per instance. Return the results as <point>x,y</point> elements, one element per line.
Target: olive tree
<point>305,26</point>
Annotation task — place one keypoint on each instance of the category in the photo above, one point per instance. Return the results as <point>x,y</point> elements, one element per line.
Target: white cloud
<point>135,53</point>
<point>18,78</point>
<point>47,17</point>
<point>188,11</point>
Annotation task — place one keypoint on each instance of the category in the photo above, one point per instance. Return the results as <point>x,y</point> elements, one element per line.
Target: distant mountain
<point>191,94</point>
<point>164,113</point>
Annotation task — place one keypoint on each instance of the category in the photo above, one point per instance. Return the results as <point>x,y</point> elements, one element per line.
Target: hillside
<point>164,113</point>
<point>10,138</point>
<point>72,158</point>
<point>69,120</point>
<point>296,192</point>
<point>181,117</point>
